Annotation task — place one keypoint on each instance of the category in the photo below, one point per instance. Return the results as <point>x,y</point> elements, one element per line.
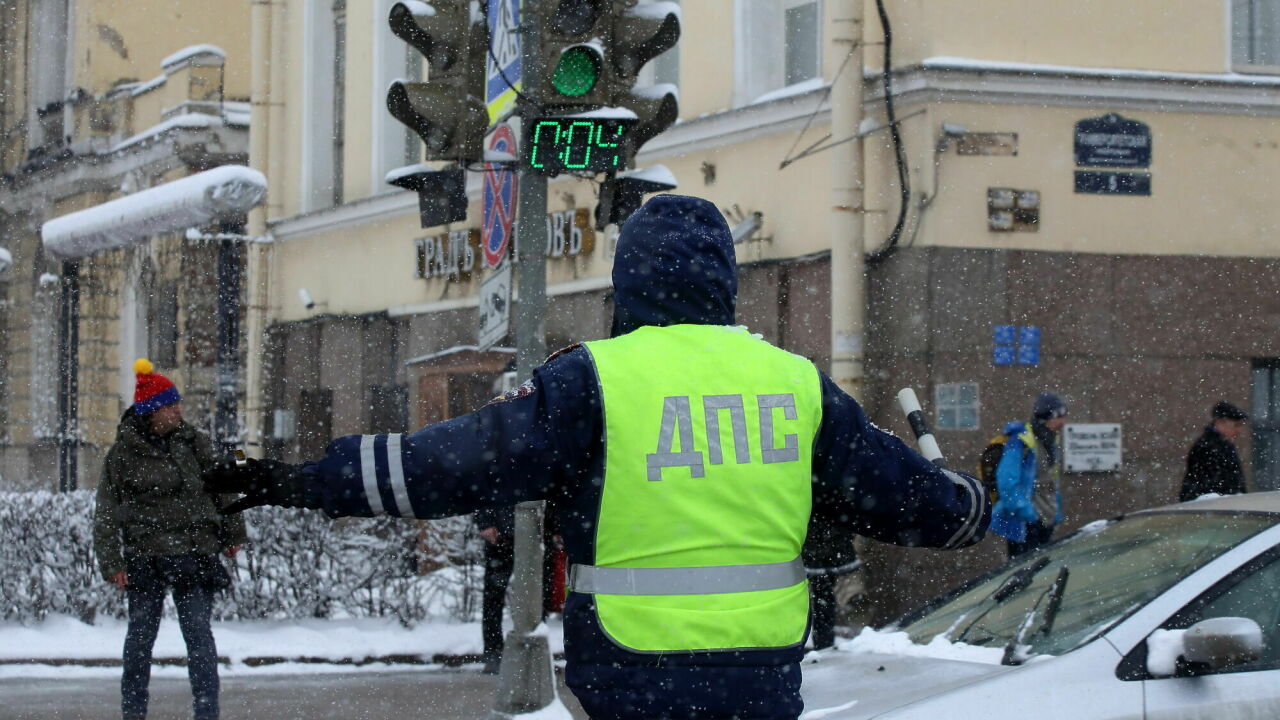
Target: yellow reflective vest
<point>708,438</point>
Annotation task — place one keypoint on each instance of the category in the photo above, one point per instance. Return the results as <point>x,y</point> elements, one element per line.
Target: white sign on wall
<point>1091,447</point>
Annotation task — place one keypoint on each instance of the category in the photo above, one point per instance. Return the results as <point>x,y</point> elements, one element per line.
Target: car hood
<point>859,686</point>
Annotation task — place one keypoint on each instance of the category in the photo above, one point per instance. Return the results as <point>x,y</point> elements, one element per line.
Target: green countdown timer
<point>563,145</point>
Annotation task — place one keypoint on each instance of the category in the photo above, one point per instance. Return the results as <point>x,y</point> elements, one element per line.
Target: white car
<point>1172,612</point>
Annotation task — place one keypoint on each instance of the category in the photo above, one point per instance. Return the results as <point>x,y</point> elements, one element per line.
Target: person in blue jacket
<point>674,275</point>
<point>1029,478</point>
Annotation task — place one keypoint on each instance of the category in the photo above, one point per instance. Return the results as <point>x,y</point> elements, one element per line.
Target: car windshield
<point>1112,571</point>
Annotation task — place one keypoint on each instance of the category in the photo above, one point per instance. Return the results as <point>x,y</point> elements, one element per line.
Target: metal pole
<point>848,263</point>
<point>226,420</point>
<point>68,375</point>
<point>525,682</point>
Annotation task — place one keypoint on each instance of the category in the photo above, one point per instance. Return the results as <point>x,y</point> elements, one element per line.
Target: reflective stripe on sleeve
<point>369,475</point>
<point>395,468</point>
<point>711,580</point>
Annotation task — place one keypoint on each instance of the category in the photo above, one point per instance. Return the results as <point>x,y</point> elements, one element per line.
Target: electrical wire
<point>904,182</point>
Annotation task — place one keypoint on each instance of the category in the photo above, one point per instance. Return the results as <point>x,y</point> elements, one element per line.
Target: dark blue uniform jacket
<point>674,265</point>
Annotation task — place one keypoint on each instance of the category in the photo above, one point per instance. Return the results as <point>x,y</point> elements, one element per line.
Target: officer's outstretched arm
<point>887,490</point>
<point>501,454</point>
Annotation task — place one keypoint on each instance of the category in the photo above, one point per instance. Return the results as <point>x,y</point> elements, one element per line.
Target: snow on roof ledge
<point>223,193</point>
<point>193,52</point>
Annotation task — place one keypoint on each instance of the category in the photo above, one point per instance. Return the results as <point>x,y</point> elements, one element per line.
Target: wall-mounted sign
<point>453,254</point>
<point>987,143</point>
<point>1113,141</point>
<point>1110,182</point>
<point>1091,447</point>
<point>1013,210</point>
<point>1015,345</point>
<point>570,233</point>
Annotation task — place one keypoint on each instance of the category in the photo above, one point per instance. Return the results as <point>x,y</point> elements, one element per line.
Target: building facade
<point>97,104</point>
<point>1091,179</point>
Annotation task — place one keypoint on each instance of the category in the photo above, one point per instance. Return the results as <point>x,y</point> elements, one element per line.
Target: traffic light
<point>620,196</point>
<point>594,118</point>
<point>446,110</point>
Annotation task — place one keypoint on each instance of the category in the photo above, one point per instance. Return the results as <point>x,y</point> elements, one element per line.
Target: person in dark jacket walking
<point>685,457</point>
<point>498,530</point>
<point>156,529</point>
<point>1213,465</point>
<point>828,556</point>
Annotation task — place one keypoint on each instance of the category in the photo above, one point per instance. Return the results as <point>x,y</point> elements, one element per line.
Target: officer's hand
<point>490,535</point>
<point>262,482</point>
<point>120,580</point>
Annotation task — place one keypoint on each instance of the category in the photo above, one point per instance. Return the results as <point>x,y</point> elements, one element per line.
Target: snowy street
<point>364,694</point>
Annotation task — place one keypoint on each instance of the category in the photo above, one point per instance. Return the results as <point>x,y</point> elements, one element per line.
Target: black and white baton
<point>920,428</point>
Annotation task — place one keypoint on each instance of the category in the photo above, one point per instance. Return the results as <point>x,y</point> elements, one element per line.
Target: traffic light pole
<point>525,684</point>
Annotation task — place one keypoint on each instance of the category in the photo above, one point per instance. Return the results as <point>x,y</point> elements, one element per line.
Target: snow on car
<point>1172,612</point>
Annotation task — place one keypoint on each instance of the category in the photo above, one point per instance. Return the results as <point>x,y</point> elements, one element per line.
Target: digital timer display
<point>560,145</point>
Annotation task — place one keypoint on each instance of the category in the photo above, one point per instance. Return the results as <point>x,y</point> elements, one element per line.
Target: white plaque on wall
<point>1091,447</point>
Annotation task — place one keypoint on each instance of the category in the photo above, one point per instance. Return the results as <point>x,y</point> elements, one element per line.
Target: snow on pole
<point>223,193</point>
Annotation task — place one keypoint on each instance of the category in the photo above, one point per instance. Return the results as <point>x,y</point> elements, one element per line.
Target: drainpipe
<point>68,376</point>
<point>848,265</point>
<point>258,259</point>
<point>226,420</point>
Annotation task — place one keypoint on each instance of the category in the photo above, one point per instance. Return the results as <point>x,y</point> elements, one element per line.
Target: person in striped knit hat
<point>156,530</point>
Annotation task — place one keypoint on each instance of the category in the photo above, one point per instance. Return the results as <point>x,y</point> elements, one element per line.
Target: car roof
<point>1263,502</point>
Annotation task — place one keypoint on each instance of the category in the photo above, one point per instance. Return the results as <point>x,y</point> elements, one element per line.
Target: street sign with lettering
<point>1110,182</point>
<point>1091,447</point>
<point>1112,141</point>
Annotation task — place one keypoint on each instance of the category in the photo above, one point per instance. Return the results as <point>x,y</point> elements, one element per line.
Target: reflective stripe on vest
<point>708,440</point>
<point>686,580</point>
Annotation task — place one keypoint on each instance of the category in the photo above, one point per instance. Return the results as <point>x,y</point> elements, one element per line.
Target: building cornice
<point>177,147</point>
<point>936,80</point>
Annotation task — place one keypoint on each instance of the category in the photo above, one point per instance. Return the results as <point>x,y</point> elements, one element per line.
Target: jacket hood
<point>134,432</point>
<point>1015,427</point>
<point>674,265</point>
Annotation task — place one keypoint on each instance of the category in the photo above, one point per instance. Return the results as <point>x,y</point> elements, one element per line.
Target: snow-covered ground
<point>341,641</point>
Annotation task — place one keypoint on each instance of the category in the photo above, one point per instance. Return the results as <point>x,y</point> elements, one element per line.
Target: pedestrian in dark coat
<point>1213,465</point>
<point>156,529</point>
<point>675,287</point>
<point>498,530</point>
<point>828,556</point>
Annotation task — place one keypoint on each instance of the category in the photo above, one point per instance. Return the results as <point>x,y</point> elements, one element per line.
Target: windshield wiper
<point>1054,593</point>
<point>1014,584</point>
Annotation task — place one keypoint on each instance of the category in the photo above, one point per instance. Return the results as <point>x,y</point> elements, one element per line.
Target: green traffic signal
<point>577,71</point>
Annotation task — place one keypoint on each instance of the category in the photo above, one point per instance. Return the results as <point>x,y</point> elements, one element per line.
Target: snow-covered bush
<point>297,564</point>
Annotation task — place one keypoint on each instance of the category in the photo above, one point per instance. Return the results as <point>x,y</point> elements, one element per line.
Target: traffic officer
<point>684,456</point>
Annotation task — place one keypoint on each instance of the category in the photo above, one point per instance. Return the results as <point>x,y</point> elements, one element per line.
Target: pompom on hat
<point>154,390</point>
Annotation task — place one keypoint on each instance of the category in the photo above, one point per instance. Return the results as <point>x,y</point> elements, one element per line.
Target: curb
<point>443,659</point>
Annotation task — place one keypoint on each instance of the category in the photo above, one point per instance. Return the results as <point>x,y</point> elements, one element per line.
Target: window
<point>314,427</point>
<point>323,89</point>
<point>339,97</point>
<point>1265,416</point>
<point>388,409</point>
<point>800,23</point>
<point>162,335</point>
<point>391,139</point>
<point>777,44</point>
<point>957,405</point>
<point>664,69</point>
<point>1255,34</point>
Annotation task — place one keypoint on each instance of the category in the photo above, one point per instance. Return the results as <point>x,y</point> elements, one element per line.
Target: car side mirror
<point>1205,647</point>
<point>1222,642</point>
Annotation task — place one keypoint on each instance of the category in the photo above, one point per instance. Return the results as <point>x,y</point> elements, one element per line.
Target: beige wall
<point>1143,34</point>
<point>119,39</point>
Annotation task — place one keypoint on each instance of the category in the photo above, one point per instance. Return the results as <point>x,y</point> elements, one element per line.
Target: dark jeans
<point>194,602</point>
<point>499,562</point>
<point>822,592</point>
<point>1038,535</point>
